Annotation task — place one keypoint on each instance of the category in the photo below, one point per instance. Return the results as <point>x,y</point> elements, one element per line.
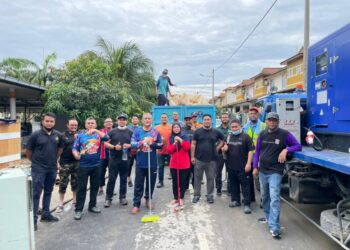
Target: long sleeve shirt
<point>269,146</point>
<point>137,142</point>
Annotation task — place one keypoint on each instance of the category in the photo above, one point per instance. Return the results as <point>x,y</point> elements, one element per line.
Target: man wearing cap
<point>162,88</point>
<point>119,145</point>
<point>272,148</point>
<point>253,128</point>
<point>162,154</point>
<point>195,122</point>
<point>224,129</point>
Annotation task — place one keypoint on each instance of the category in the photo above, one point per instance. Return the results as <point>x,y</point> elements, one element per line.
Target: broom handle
<point>149,180</point>
<point>178,176</point>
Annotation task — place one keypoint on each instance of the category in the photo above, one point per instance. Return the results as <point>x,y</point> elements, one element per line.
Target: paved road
<point>200,226</point>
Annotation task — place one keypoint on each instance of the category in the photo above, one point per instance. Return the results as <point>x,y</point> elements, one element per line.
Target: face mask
<point>122,128</point>
<point>236,132</point>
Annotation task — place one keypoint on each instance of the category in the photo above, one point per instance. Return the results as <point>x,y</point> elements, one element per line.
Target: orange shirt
<point>197,124</point>
<point>165,132</point>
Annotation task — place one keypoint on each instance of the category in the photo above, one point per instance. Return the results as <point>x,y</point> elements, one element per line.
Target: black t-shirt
<point>67,155</point>
<point>238,149</point>
<point>206,140</point>
<point>45,148</point>
<point>119,136</point>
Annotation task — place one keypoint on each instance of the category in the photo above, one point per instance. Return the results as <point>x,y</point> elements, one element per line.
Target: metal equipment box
<point>329,83</point>
<point>16,210</point>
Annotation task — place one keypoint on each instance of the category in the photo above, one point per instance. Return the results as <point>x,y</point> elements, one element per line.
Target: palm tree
<point>26,70</point>
<point>130,64</point>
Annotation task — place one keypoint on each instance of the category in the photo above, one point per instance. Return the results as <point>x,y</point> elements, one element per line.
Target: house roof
<point>267,72</point>
<point>294,57</point>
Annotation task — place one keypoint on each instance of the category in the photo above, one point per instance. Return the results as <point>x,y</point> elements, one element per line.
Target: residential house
<point>278,81</point>
<point>261,82</point>
<point>295,70</point>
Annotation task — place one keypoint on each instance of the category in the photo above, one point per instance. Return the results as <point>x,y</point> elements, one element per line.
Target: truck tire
<point>330,223</point>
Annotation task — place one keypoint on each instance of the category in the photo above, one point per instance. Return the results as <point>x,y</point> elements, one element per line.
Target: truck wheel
<point>330,223</point>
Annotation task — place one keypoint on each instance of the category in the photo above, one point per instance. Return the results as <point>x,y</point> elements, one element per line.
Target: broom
<point>150,217</point>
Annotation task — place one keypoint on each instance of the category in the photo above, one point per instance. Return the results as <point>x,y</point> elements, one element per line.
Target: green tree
<point>26,70</point>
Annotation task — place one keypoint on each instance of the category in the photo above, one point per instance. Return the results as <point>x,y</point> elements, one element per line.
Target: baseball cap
<point>122,115</point>
<point>254,109</point>
<point>194,114</point>
<point>272,115</point>
<point>187,117</point>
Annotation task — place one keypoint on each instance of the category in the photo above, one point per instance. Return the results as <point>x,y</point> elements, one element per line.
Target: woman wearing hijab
<point>178,147</point>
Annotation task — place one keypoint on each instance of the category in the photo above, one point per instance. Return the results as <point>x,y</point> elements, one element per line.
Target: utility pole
<point>212,88</point>
<point>306,40</point>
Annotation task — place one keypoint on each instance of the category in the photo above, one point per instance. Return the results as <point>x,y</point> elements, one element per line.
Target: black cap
<point>187,117</point>
<point>122,115</point>
<point>272,115</point>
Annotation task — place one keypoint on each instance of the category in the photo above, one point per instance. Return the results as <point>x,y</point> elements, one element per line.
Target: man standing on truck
<point>224,128</point>
<point>253,128</point>
<point>162,154</point>
<point>68,164</point>
<point>162,88</point>
<point>205,145</point>
<point>43,148</point>
<point>272,148</point>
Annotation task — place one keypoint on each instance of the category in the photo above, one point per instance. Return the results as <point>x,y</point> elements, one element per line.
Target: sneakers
<point>218,192</point>
<point>210,200</point>
<point>195,199</point>
<point>123,202</point>
<point>130,184</point>
<point>262,220</point>
<point>234,204</point>
<point>247,210</point>
<point>78,215</point>
<point>276,234</point>
<point>135,210</point>
<point>160,185</point>
<point>49,218</point>
<point>59,209</point>
<point>95,210</point>
<point>35,227</point>
<point>107,203</point>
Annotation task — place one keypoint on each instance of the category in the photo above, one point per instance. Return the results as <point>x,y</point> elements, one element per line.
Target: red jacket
<point>180,159</point>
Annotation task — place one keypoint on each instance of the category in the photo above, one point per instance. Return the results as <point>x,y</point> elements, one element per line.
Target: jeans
<point>182,184</point>
<point>141,175</point>
<point>161,158</point>
<point>219,166</point>
<point>117,167</point>
<point>103,168</point>
<point>46,181</point>
<point>210,169</point>
<point>270,186</point>
<point>83,176</point>
<point>237,179</point>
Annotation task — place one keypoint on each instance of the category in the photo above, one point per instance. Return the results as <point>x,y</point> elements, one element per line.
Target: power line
<point>248,36</point>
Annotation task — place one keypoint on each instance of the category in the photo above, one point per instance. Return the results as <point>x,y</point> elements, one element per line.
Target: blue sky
<point>187,37</point>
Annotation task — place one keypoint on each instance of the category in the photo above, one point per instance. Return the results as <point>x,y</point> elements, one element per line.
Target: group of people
<point>190,148</point>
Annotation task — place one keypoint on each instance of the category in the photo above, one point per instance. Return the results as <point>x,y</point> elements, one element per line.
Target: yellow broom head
<point>150,218</point>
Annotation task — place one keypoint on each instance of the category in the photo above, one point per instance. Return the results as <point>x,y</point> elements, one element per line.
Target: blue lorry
<point>321,175</point>
<point>183,111</point>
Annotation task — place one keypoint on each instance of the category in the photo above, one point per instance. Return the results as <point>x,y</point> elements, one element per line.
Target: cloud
<point>187,37</point>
